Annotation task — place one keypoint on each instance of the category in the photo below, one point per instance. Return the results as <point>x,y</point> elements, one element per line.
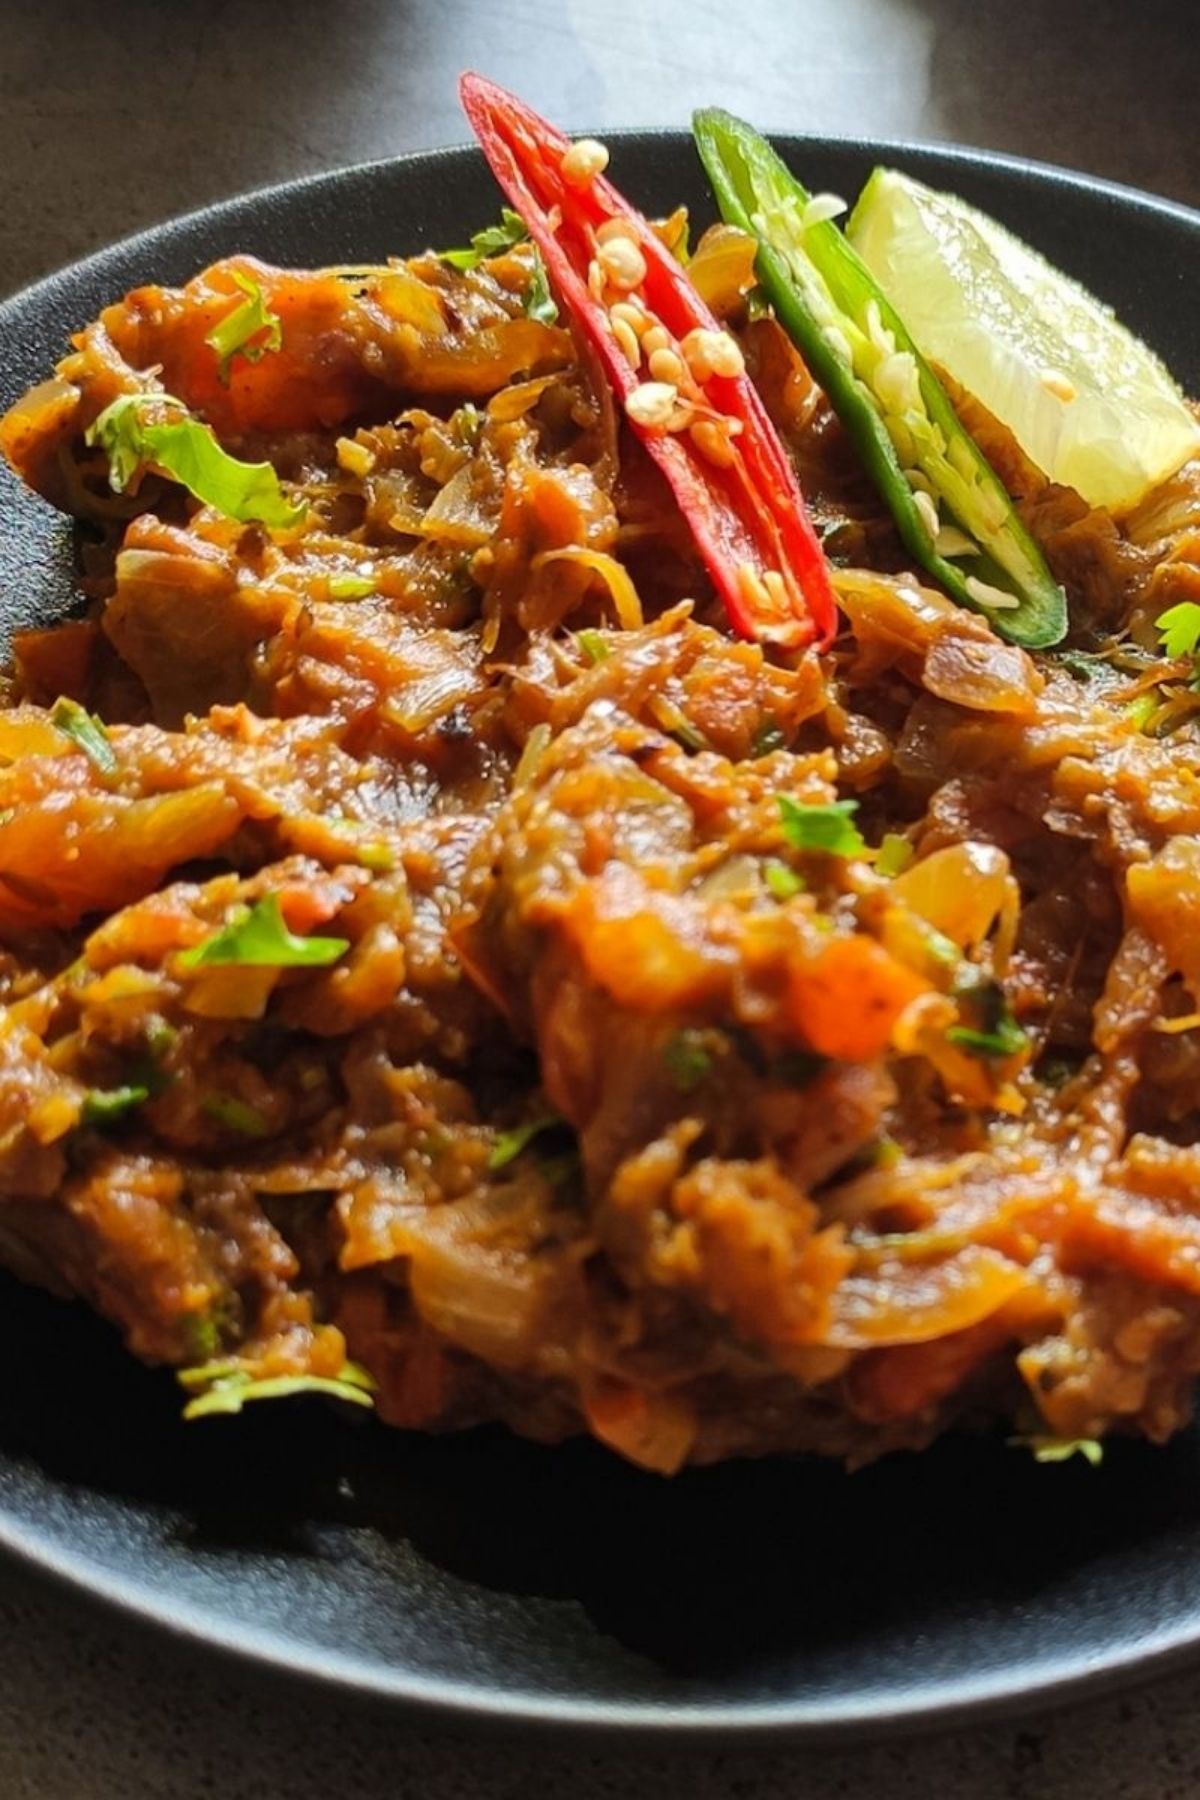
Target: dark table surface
<point>117,113</point>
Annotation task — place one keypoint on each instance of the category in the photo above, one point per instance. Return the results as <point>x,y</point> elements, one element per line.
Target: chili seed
<point>666,365</point>
<point>652,404</point>
<point>586,159</point>
<point>712,443</point>
<point>712,353</point>
<point>776,587</point>
<point>754,590</point>
<point>622,262</point>
<point>627,339</point>
<point>1058,384</point>
<point>630,313</point>
<point>928,511</point>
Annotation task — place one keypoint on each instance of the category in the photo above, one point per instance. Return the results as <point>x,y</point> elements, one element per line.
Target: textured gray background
<point>115,113</point>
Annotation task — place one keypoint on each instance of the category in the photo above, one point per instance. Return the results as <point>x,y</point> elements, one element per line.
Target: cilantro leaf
<point>84,729</point>
<point>894,854</point>
<point>489,242</point>
<point>995,1032</point>
<point>1055,1450</point>
<point>1007,1040</point>
<point>509,1144</point>
<point>783,882</point>
<point>257,938</point>
<point>236,333</point>
<point>225,1387</point>
<point>687,1059</point>
<point>769,737</point>
<point>102,1105</point>
<point>592,645</point>
<point>539,302</point>
<point>351,587</point>
<point>828,826</point>
<point>228,1110</point>
<point>188,452</point>
<point>1179,629</point>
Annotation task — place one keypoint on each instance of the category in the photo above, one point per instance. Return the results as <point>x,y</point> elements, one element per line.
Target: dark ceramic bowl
<point>495,1581</point>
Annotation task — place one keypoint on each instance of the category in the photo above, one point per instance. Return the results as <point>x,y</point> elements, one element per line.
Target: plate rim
<point>445,1700</point>
<point>1055,174</point>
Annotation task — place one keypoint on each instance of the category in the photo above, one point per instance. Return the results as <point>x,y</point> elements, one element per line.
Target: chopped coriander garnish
<point>227,1387</point>
<point>101,1106</point>
<point>85,730</point>
<point>1007,1040</point>
<point>1056,1071</point>
<point>894,854</point>
<point>160,1037</point>
<point>769,737</point>
<point>466,422</point>
<point>539,301</point>
<point>1179,629</point>
<point>235,1114</point>
<point>351,587</point>
<point>1139,712</point>
<point>783,882</point>
<point>827,826</point>
<point>688,1060</point>
<point>1055,1450</point>
<point>258,938</point>
<point>509,1144</point>
<point>489,242</point>
<point>240,332</point>
<point>181,447</point>
<point>592,645</point>
<point>997,1033</point>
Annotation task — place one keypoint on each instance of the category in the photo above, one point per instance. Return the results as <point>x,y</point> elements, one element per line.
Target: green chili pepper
<point>950,507</point>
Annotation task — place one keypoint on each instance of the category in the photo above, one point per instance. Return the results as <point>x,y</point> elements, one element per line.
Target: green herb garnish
<point>235,1115</point>
<point>996,1033</point>
<point>539,301</point>
<point>491,241</point>
<point>894,855</point>
<point>228,1386</point>
<point>1056,1450</point>
<point>101,1106</point>
<point>351,587</point>
<point>240,332</point>
<point>181,447</point>
<point>783,882</point>
<point>510,1144</point>
<point>257,937</point>
<point>688,1060</point>
<point>1007,1040</point>
<point>1179,629</point>
<point>592,645</point>
<point>87,731</point>
<point>769,737</point>
<point>828,826</point>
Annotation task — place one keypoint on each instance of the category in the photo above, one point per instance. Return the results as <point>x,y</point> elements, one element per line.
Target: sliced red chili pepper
<point>745,510</point>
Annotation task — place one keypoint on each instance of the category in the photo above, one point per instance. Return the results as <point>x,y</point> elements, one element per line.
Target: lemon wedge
<point>1089,404</point>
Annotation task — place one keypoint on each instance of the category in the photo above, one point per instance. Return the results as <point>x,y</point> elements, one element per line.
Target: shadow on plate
<point>707,1573</point>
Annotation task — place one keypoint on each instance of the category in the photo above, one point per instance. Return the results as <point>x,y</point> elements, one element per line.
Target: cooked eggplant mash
<point>506,915</point>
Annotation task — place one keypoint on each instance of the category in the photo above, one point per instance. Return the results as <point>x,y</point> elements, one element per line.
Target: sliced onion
<point>626,603</point>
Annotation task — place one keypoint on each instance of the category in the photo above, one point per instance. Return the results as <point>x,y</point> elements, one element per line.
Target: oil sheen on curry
<point>608,848</point>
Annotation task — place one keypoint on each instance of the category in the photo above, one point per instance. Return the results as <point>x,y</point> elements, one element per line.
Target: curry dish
<point>445,964</point>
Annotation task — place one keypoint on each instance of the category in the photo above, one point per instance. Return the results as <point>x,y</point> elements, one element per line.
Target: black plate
<point>491,1579</point>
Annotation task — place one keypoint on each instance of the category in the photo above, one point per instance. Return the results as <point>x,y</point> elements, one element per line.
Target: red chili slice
<point>745,510</point>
